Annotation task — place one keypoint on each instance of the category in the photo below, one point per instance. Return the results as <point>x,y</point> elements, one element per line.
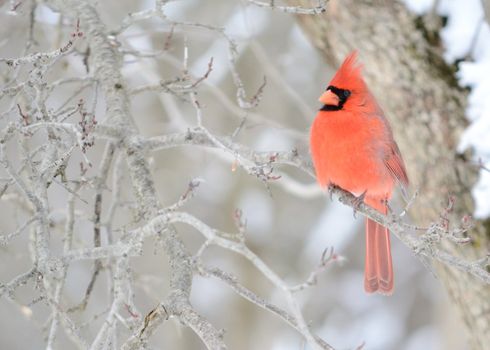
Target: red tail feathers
<point>378,274</point>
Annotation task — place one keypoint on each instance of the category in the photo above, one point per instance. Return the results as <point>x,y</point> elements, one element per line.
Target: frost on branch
<point>105,191</point>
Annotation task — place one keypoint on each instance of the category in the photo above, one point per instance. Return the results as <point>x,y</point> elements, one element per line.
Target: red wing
<point>396,167</point>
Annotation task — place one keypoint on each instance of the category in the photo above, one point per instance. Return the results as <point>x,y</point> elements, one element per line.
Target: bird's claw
<point>388,208</point>
<point>331,187</point>
<point>356,203</point>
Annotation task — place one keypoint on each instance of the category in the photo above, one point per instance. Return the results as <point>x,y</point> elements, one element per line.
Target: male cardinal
<point>353,148</point>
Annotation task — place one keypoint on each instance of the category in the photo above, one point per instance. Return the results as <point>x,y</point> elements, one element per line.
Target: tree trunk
<point>403,65</point>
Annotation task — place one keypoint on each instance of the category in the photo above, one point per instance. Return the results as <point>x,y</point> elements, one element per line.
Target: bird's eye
<point>346,93</point>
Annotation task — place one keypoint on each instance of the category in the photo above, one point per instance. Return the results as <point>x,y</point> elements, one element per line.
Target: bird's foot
<point>388,208</point>
<point>331,187</point>
<point>356,203</point>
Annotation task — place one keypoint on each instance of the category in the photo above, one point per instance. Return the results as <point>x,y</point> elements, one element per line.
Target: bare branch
<point>53,127</point>
<point>322,7</point>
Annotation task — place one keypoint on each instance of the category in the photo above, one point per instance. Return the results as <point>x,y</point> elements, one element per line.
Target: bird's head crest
<point>349,76</point>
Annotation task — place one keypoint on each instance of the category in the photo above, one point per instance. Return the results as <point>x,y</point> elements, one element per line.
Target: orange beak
<point>329,98</point>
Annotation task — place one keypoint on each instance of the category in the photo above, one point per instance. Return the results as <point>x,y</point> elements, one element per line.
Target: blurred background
<point>288,229</point>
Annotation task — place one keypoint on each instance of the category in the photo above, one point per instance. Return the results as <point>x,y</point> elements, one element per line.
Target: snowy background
<point>287,230</point>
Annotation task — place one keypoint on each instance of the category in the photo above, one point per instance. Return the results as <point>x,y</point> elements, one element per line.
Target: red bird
<point>353,148</point>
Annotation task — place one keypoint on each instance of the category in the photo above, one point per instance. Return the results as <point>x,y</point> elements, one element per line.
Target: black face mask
<point>342,94</point>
